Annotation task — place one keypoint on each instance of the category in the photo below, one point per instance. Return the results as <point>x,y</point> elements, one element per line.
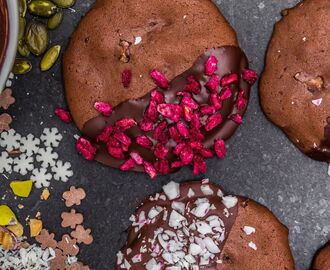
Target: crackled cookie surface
<point>294,87</point>
<point>195,225</point>
<point>322,259</point>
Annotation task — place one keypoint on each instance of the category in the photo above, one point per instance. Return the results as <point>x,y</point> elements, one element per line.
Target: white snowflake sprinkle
<point>23,164</point>
<point>10,140</point>
<point>30,145</point>
<point>62,171</point>
<point>5,163</point>
<point>51,137</point>
<point>47,157</point>
<point>41,178</point>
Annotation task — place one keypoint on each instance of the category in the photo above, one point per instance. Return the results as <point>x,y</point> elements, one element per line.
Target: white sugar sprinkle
<point>253,245</point>
<point>249,230</point>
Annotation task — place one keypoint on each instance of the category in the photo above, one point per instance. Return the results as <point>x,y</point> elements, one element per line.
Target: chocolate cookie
<point>156,89</point>
<point>322,259</point>
<point>196,226</point>
<point>294,88</point>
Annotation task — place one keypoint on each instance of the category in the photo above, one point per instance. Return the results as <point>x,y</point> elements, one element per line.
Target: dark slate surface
<point>262,164</point>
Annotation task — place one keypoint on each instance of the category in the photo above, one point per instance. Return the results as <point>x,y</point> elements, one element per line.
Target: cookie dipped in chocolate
<point>194,225</point>
<point>205,115</point>
<point>186,226</point>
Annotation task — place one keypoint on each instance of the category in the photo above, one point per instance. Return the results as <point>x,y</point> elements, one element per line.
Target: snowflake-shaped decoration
<point>41,178</point>
<point>51,137</point>
<point>5,162</point>
<point>30,145</point>
<point>23,164</point>
<point>47,157</point>
<point>62,171</point>
<point>10,140</point>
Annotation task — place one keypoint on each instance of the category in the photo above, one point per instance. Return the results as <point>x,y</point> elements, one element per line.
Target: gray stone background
<point>261,164</point>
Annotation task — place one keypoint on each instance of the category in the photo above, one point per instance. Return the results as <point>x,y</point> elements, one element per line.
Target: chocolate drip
<point>231,60</point>
<point>3,30</point>
<point>139,238</point>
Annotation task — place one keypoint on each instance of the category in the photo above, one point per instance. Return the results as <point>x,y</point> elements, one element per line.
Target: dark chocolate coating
<point>294,88</point>
<point>231,60</point>
<point>4,30</point>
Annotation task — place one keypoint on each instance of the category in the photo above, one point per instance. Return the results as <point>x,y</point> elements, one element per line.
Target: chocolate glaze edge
<point>231,59</point>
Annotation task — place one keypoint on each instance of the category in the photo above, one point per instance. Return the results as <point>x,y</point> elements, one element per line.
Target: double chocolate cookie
<point>322,259</point>
<point>195,225</point>
<point>294,90</point>
<point>161,86</point>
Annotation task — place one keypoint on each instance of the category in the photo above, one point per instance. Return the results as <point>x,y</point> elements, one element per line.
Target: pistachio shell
<point>36,37</point>
<point>64,3</point>
<point>21,66</point>
<point>22,49</point>
<point>55,20</point>
<point>42,8</point>
<point>7,216</point>
<point>50,58</point>
<point>21,27</point>
<point>22,7</point>
<point>21,188</point>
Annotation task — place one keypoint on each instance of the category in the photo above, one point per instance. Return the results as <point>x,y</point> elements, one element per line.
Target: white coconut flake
<point>191,193</point>
<point>154,212</point>
<point>317,102</point>
<point>210,245</point>
<point>178,206</point>
<point>253,245</point>
<point>229,201</point>
<point>195,249</point>
<point>206,189</point>
<point>176,219</point>
<point>172,190</point>
<point>220,193</point>
<point>202,209</point>
<point>249,230</point>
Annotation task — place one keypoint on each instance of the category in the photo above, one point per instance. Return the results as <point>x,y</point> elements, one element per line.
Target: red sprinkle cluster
<point>179,123</point>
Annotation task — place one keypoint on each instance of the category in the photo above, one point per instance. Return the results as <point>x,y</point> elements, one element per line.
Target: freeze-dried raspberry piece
<point>126,77</point>
<point>159,79</point>
<point>160,151</point>
<point>64,115</point>
<point>195,121</point>
<point>151,112</point>
<point>159,132</point>
<point>178,148</point>
<point>250,76</point>
<point>136,158</point>
<point>174,134</point>
<point>183,129</point>
<point>103,108</point>
<point>125,123</point>
<point>192,85</point>
<point>229,79</point>
<point>237,118</point>
<point>226,93</point>
<point>85,148</point>
<point>150,169</point>
<point>123,139</point>
<point>213,121</point>
<point>144,141</point>
<point>196,145</point>
<point>157,96</point>
<point>216,102</point>
<point>127,165</point>
<point>189,102</point>
<point>199,165</point>
<point>170,111</point>
<point>205,153</point>
<point>177,164</point>
<point>162,166</point>
<point>146,125</point>
<point>186,155</point>
<point>220,148</point>
<point>196,134</point>
<point>213,84</point>
<point>117,153</point>
<point>211,65</point>
<point>187,113</point>
<point>208,110</point>
<point>105,135</point>
<point>241,103</point>
<point>112,142</point>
